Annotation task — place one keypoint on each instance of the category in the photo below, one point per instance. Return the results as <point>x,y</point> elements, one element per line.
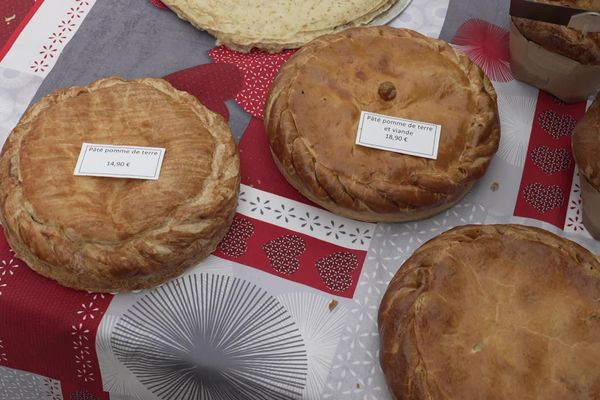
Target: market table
<point>287,305</point>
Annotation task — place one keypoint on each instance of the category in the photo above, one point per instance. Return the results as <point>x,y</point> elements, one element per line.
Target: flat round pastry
<point>313,111</point>
<point>493,312</point>
<point>583,47</point>
<point>276,24</point>
<point>108,234</point>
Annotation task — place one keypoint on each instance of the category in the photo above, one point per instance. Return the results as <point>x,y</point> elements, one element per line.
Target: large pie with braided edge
<point>107,234</point>
<point>493,312</point>
<point>313,111</point>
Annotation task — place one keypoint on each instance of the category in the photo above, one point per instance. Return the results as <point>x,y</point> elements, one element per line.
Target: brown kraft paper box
<point>561,76</point>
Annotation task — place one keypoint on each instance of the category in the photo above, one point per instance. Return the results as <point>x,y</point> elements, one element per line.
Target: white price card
<point>414,138</point>
<point>130,162</point>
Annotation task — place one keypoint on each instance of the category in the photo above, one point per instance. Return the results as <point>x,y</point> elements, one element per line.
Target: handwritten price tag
<point>129,162</point>
<point>414,138</point>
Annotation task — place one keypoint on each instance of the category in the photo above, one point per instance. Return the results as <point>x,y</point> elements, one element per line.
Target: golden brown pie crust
<point>313,110</point>
<point>493,312</point>
<point>583,47</point>
<point>586,144</point>
<point>108,234</point>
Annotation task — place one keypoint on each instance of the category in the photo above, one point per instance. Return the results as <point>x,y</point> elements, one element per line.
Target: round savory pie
<point>313,111</point>
<point>586,147</point>
<point>109,234</point>
<point>275,25</point>
<point>493,312</point>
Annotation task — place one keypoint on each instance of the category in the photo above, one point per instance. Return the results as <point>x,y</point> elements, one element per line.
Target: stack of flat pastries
<point>493,312</point>
<point>314,107</point>
<point>275,25</point>
<point>107,234</point>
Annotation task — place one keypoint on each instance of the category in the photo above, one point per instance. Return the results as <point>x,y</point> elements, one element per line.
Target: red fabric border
<point>41,326</point>
<point>544,194</point>
<point>15,34</point>
<point>253,254</point>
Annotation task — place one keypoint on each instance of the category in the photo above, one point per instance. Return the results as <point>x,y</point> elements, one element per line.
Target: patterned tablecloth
<point>286,307</point>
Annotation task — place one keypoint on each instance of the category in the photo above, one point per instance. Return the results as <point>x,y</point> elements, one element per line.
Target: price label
<point>118,164</point>
<point>128,162</point>
<point>414,138</point>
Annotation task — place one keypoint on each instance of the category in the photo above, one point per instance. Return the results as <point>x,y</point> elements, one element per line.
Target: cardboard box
<point>565,78</point>
<point>590,197</point>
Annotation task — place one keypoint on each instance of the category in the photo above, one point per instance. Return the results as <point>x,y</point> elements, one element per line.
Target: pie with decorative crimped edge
<point>493,312</point>
<point>313,111</point>
<point>107,234</point>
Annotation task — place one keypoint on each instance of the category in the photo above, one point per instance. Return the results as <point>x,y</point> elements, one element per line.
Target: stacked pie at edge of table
<point>277,24</point>
<point>109,234</point>
<point>586,147</point>
<point>313,111</point>
<point>495,312</point>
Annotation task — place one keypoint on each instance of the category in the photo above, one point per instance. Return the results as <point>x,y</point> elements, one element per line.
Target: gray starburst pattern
<point>211,337</point>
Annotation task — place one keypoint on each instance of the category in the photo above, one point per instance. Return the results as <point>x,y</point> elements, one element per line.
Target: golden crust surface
<point>581,4</point>
<point>586,144</point>
<point>495,312</point>
<point>314,106</point>
<point>275,25</point>
<point>108,234</point>
<point>583,47</point>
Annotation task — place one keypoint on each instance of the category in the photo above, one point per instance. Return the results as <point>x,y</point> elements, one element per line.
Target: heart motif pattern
<point>550,160</point>
<point>258,69</point>
<point>336,269</point>
<point>557,125</point>
<point>83,395</point>
<point>283,253</point>
<point>544,198</point>
<point>234,244</point>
